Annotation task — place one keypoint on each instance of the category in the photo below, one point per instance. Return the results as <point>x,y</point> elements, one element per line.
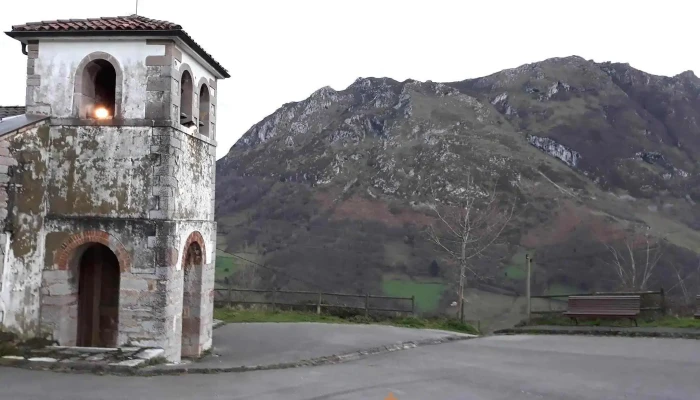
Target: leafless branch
<point>467,228</point>
<point>634,263</point>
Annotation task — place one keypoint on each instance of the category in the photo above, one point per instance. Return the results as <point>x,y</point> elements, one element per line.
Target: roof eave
<point>22,36</point>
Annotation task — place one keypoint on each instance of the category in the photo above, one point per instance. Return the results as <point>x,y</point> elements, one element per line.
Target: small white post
<point>527,290</point>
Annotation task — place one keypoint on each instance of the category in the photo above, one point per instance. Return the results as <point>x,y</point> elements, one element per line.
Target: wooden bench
<point>604,307</point>
<point>697,307</point>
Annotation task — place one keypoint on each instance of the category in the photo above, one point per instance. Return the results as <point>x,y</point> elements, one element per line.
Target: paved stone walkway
<point>84,358</point>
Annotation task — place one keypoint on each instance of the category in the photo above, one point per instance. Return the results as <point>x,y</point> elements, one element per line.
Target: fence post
<point>274,299</point>
<point>413,305</point>
<point>663,301</point>
<point>527,287</point>
<point>230,294</point>
<point>367,305</point>
<point>318,305</point>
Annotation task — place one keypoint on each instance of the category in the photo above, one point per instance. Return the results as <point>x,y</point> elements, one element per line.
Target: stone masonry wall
<point>6,162</point>
<point>22,205</point>
<point>141,184</point>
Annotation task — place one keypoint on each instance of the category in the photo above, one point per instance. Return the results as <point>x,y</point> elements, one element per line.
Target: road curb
<point>598,332</point>
<point>158,370</point>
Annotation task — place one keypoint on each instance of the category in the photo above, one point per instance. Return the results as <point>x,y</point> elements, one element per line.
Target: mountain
<point>333,192</point>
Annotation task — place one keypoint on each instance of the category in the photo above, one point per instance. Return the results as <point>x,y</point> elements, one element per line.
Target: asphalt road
<point>252,344</point>
<point>504,367</point>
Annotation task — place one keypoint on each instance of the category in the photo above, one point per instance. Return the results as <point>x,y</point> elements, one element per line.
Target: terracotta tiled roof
<point>127,23</point>
<point>11,111</point>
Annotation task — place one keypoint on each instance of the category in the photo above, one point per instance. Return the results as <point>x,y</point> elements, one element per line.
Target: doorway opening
<point>192,301</point>
<point>98,297</point>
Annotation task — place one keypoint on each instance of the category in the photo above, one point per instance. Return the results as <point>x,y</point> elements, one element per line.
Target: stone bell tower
<point>112,198</point>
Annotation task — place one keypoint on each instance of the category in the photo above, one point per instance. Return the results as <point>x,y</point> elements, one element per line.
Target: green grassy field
<point>515,273</point>
<point>232,315</point>
<point>516,268</point>
<point>226,264</point>
<point>560,288</point>
<point>427,293</point>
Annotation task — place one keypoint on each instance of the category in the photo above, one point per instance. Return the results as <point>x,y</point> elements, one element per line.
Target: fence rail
<point>554,296</point>
<point>661,305</point>
<point>224,296</point>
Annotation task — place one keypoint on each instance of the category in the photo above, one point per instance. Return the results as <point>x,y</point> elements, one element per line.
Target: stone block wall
<point>141,184</point>
<point>22,157</point>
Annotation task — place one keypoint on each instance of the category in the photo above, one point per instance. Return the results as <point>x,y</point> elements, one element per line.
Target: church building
<point>107,232</point>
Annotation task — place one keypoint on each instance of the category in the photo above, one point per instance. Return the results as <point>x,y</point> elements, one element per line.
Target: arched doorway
<point>98,297</point>
<point>192,301</point>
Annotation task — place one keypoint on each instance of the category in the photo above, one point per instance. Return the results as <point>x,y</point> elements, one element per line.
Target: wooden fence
<point>225,296</point>
<point>661,306</point>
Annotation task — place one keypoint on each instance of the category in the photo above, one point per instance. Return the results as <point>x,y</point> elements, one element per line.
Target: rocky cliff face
<point>335,187</point>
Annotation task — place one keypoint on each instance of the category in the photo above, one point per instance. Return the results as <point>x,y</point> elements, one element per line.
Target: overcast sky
<point>279,51</point>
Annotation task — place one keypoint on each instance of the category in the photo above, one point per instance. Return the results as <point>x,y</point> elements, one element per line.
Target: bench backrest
<point>604,303</point>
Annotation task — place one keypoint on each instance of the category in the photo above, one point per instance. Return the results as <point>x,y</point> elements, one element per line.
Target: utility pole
<point>527,290</point>
<point>137,7</point>
<point>462,278</point>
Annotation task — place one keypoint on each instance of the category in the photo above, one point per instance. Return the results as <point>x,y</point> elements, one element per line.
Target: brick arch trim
<point>195,237</point>
<point>65,255</point>
<point>203,81</point>
<point>78,82</point>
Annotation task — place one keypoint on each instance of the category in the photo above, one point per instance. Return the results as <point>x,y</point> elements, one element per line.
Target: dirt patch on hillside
<point>566,221</point>
<point>359,208</point>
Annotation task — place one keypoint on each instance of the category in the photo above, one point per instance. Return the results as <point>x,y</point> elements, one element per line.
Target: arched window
<point>186,91</point>
<point>204,110</point>
<point>98,89</point>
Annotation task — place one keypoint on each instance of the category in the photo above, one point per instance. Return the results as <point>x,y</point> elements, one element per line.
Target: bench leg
<point>575,320</point>
<point>635,321</point>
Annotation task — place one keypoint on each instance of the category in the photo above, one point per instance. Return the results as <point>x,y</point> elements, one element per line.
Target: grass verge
<point>235,315</point>
<point>660,322</point>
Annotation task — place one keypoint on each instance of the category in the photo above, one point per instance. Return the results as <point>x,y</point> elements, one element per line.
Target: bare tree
<point>465,230</point>
<point>634,259</point>
<point>683,282</point>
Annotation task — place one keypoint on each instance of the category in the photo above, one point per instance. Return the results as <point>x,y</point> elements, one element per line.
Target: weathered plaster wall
<point>7,161</point>
<point>19,298</point>
<point>53,72</point>
<point>196,166</point>
<point>100,171</point>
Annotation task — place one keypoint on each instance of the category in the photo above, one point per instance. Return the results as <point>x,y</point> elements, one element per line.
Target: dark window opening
<point>204,111</point>
<point>186,92</point>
